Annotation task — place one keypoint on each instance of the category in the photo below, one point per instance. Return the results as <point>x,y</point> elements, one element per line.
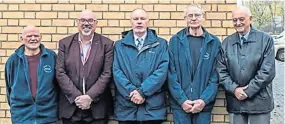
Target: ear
<point>21,38</point>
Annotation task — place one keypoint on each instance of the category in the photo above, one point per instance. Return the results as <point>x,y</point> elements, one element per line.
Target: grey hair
<point>246,9</point>
<point>199,6</point>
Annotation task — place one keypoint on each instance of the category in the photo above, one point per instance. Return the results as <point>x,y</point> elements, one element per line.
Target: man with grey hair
<point>192,79</point>
<point>246,68</point>
<point>84,72</point>
<point>140,70</point>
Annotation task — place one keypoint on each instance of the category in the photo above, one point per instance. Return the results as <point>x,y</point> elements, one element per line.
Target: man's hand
<point>187,105</point>
<point>83,101</point>
<point>240,94</point>
<point>136,97</point>
<point>198,106</point>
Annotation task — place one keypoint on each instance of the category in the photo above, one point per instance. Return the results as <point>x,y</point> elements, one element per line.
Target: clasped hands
<point>83,102</point>
<point>195,106</point>
<point>240,94</point>
<point>136,97</point>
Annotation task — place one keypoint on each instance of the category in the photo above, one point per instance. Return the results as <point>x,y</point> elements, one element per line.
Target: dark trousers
<point>101,121</point>
<point>249,118</point>
<point>141,122</point>
<point>83,117</point>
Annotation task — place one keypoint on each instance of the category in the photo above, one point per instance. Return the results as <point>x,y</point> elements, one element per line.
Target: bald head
<point>30,28</point>
<point>242,9</point>
<point>139,11</point>
<point>31,38</point>
<point>87,13</point>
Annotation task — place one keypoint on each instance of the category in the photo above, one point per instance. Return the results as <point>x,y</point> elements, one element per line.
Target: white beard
<point>86,33</point>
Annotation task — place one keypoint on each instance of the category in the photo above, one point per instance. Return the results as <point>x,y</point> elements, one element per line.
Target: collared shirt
<point>85,47</point>
<point>245,36</point>
<point>143,37</point>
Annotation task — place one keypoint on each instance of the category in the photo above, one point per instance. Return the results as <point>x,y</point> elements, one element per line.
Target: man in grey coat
<point>246,68</point>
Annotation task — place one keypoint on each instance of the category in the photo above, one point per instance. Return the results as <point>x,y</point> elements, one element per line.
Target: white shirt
<point>143,37</point>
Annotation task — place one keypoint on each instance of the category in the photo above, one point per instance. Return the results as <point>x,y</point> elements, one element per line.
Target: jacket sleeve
<point>266,72</point>
<point>223,73</point>
<point>123,84</point>
<point>209,94</point>
<point>8,80</point>
<point>155,81</point>
<point>65,83</point>
<point>174,85</point>
<point>105,78</point>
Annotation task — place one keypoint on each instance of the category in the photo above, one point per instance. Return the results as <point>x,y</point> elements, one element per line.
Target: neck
<point>31,52</point>
<point>196,31</point>
<point>140,34</point>
<point>85,39</point>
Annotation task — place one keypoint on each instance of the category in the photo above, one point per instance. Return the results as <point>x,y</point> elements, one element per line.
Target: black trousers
<point>101,121</point>
<point>141,122</point>
<point>83,117</point>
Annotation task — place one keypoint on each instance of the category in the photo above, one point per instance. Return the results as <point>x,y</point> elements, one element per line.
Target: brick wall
<point>56,19</point>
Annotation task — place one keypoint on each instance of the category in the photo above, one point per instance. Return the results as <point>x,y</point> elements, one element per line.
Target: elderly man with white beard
<point>83,71</point>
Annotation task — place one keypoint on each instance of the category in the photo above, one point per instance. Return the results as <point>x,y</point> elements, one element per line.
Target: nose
<point>194,17</point>
<point>33,37</point>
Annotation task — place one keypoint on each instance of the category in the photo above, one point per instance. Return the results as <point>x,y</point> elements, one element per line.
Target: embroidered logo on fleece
<point>206,56</point>
<point>47,68</point>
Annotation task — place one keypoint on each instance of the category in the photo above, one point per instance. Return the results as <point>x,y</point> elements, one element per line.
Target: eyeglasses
<point>241,19</point>
<point>190,16</point>
<point>89,21</point>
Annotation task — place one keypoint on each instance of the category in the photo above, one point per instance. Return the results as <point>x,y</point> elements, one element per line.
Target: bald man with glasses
<point>84,72</point>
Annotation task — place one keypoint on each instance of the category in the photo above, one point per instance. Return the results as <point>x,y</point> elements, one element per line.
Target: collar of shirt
<point>245,36</point>
<point>143,37</point>
<point>80,41</point>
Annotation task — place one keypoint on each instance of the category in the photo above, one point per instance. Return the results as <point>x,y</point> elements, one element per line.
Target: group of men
<point>74,85</point>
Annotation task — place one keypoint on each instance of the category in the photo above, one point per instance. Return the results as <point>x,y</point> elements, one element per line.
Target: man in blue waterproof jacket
<point>140,70</point>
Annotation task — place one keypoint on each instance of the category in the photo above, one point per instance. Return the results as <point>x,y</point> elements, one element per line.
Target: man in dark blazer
<point>83,70</point>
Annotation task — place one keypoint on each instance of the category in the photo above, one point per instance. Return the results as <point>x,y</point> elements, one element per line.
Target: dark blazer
<point>99,75</point>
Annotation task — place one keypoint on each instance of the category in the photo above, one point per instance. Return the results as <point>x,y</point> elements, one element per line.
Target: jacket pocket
<point>263,94</point>
<point>156,101</point>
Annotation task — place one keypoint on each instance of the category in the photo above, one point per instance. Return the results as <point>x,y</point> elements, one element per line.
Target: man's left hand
<point>198,106</point>
<point>83,101</point>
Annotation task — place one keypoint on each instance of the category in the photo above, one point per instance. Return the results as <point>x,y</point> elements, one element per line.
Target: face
<point>194,17</point>
<point>86,23</point>
<point>139,21</point>
<point>31,38</point>
<point>241,21</point>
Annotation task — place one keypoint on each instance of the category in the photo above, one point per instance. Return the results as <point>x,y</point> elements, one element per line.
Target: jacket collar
<point>251,37</point>
<point>20,50</point>
<point>128,37</point>
<point>182,34</point>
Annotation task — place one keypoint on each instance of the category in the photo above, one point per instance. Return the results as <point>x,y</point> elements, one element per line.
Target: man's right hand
<point>187,106</point>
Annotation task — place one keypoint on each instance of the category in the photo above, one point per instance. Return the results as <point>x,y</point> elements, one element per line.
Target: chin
<point>194,26</point>
<point>86,33</point>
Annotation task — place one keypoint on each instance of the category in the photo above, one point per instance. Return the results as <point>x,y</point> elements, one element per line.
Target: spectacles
<point>190,16</point>
<point>241,19</point>
<point>89,21</point>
